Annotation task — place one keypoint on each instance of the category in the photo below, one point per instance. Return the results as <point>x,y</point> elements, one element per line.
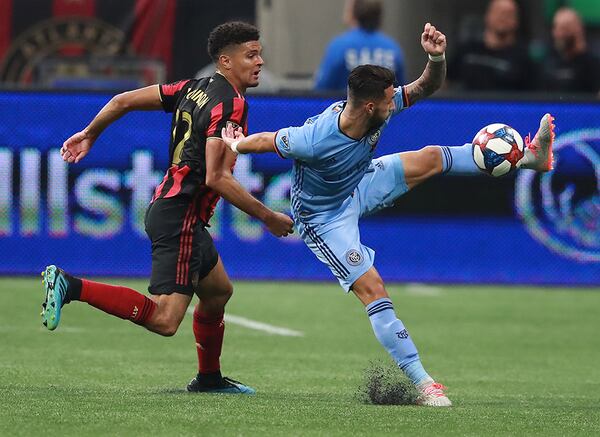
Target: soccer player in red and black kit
<point>184,259</point>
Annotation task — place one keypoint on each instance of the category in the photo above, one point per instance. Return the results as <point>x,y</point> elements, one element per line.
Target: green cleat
<point>55,286</point>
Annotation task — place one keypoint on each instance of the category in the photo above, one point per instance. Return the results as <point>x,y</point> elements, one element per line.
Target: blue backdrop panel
<point>88,217</point>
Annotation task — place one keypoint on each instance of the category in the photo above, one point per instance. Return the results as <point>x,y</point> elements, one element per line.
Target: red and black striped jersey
<point>201,108</point>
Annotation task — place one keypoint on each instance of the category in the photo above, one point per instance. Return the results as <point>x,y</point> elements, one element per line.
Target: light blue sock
<point>392,334</point>
<point>458,160</point>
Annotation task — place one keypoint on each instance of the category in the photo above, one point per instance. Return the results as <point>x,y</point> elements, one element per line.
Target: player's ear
<point>224,62</point>
<point>370,108</point>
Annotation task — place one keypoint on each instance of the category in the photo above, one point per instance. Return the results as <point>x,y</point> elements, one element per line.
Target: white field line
<point>259,326</point>
<point>423,289</point>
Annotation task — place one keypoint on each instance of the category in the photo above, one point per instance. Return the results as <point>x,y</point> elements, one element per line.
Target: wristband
<point>437,58</point>
<point>234,146</point>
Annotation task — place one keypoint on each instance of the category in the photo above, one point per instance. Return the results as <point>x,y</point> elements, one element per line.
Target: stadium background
<point>516,360</point>
<point>89,217</point>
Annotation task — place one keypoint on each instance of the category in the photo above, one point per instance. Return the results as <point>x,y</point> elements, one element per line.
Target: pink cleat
<point>432,395</point>
<point>538,152</point>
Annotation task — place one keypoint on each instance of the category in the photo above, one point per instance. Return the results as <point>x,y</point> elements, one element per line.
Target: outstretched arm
<point>262,142</point>
<point>219,162</point>
<point>434,43</point>
<point>77,147</point>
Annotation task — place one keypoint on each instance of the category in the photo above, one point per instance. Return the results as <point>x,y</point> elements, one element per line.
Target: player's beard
<point>376,121</point>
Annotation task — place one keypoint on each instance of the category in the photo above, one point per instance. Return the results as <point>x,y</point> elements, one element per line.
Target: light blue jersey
<point>328,165</point>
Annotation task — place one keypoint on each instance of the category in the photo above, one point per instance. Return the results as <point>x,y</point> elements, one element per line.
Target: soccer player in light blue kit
<point>336,181</point>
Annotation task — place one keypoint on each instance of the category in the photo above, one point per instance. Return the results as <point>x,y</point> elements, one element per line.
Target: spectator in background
<point>569,66</point>
<point>497,62</point>
<point>362,44</point>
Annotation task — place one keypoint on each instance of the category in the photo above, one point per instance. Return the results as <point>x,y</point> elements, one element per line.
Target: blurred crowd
<point>500,60</point>
<point>93,44</point>
<point>495,59</point>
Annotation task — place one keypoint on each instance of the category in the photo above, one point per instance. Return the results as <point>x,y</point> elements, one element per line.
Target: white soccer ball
<point>498,149</point>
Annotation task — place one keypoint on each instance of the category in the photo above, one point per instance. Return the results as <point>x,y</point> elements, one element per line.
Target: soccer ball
<point>498,149</point>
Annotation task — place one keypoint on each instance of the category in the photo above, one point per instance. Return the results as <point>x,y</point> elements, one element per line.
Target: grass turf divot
<point>385,385</point>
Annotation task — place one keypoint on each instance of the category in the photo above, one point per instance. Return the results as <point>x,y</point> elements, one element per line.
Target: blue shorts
<point>337,242</point>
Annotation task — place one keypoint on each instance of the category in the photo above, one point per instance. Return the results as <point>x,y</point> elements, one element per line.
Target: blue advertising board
<point>88,218</point>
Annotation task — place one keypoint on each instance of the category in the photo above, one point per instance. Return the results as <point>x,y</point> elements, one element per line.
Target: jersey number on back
<point>182,132</point>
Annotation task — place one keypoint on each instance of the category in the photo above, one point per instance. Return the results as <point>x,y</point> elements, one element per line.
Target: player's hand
<point>231,135</point>
<point>76,147</point>
<point>280,225</point>
<point>433,41</point>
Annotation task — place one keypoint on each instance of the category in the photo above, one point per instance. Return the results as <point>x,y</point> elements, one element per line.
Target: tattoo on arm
<point>430,81</point>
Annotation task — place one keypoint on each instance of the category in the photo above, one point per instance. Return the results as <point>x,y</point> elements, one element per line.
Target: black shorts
<point>183,251</point>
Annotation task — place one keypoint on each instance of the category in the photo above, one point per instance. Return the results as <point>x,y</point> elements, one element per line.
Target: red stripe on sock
<point>208,331</point>
<point>119,301</point>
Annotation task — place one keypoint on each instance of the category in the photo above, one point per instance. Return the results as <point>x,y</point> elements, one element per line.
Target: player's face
<point>246,62</point>
<point>382,108</point>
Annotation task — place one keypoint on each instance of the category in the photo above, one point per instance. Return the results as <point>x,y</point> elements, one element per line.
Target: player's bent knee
<point>214,299</point>
<point>164,325</point>
<point>220,294</point>
<point>215,304</point>
<point>370,290</point>
<point>376,291</point>
<point>224,293</point>
<point>167,329</point>
<point>228,292</point>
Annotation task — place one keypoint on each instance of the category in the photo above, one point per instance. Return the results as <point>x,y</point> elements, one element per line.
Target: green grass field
<point>517,361</point>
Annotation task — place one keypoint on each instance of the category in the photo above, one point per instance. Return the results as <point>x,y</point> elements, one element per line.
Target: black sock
<point>213,379</point>
<point>74,290</point>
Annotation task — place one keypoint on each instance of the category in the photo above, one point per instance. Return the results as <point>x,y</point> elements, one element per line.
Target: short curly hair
<point>231,33</point>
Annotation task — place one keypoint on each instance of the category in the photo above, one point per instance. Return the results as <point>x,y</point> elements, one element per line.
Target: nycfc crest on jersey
<point>374,138</point>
